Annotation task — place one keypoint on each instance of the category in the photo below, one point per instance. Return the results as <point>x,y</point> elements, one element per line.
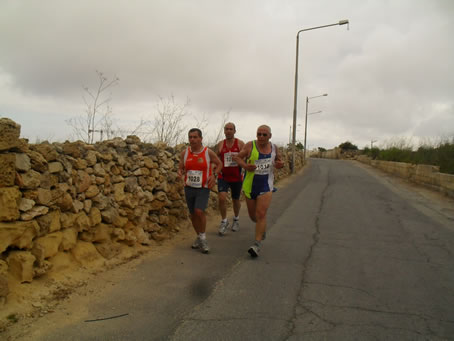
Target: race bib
<point>228,159</point>
<point>194,178</point>
<point>263,166</point>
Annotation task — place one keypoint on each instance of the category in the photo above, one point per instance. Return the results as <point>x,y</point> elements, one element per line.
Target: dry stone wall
<point>426,175</point>
<point>85,201</point>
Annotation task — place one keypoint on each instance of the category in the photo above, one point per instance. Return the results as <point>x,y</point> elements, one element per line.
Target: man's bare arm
<point>240,158</point>
<point>217,167</point>
<point>240,144</point>
<point>218,148</point>
<point>181,165</point>
<point>278,163</point>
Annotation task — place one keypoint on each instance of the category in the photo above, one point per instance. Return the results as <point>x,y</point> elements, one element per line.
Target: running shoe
<point>196,243</point>
<point>223,228</point>
<point>254,250</point>
<point>235,225</point>
<point>203,244</point>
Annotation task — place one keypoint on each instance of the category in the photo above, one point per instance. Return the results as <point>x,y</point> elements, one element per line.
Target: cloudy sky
<point>389,76</point>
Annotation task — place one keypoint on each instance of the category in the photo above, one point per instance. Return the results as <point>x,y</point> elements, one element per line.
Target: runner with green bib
<point>259,158</point>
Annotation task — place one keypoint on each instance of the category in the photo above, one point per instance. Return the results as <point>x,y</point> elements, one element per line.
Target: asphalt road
<point>348,256</point>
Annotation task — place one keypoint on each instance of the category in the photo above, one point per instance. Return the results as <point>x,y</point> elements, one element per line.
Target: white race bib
<point>263,166</point>
<point>194,178</point>
<point>228,159</point>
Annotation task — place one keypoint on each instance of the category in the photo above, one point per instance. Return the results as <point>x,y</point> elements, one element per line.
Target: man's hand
<point>211,181</point>
<point>181,174</point>
<point>250,167</point>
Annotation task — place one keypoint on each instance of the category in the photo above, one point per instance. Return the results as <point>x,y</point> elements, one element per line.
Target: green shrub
<point>347,145</point>
<point>446,157</point>
<point>441,155</point>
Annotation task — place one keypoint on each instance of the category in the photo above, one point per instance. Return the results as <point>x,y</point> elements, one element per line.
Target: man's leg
<point>199,221</point>
<point>261,207</point>
<point>251,208</point>
<point>236,207</point>
<point>263,202</point>
<point>236,194</point>
<point>190,196</point>
<point>222,198</point>
<point>236,218</point>
<point>222,202</point>
<point>235,188</point>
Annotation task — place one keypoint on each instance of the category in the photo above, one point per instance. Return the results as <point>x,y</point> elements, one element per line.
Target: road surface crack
<point>315,241</point>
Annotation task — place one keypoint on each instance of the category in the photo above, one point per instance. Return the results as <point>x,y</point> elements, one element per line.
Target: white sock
<point>224,220</point>
<point>236,218</point>
<point>202,236</point>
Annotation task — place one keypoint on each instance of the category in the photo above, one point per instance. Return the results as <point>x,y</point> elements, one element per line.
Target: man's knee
<point>260,214</point>
<point>199,213</point>
<point>222,197</point>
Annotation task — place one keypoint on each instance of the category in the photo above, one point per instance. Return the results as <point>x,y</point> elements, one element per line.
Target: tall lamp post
<point>305,124</point>
<point>295,97</point>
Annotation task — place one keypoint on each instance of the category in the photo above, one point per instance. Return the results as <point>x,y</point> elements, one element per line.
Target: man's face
<point>263,135</point>
<point>229,131</point>
<point>194,139</point>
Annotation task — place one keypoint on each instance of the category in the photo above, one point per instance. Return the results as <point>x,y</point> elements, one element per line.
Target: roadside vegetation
<point>440,154</point>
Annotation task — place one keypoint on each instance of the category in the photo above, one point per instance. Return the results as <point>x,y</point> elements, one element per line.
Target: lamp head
<point>345,22</point>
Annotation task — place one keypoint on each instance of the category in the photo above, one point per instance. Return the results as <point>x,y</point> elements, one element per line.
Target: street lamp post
<point>305,124</point>
<point>295,97</point>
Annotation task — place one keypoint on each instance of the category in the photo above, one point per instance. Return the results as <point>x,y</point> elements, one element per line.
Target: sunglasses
<point>262,134</point>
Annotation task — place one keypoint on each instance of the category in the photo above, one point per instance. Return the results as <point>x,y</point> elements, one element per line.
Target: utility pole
<point>372,143</point>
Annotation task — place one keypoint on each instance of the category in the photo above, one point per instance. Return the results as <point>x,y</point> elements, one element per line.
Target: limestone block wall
<point>427,175</point>
<point>86,201</point>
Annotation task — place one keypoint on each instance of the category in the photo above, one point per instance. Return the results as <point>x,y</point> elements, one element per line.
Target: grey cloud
<point>384,76</point>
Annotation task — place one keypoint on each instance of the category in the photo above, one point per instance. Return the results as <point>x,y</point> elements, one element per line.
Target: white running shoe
<point>196,243</point>
<point>254,250</point>
<point>203,244</point>
<point>235,225</point>
<point>223,228</point>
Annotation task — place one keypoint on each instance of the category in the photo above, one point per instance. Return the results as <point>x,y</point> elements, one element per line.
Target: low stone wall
<point>422,174</point>
<point>86,201</point>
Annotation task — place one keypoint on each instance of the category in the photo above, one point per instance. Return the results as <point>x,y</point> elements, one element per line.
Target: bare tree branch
<point>168,123</point>
<point>98,113</point>
<point>225,118</point>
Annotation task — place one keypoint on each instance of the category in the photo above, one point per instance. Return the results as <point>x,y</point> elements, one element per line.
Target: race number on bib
<point>263,166</point>
<point>194,178</point>
<point>228,160</point>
